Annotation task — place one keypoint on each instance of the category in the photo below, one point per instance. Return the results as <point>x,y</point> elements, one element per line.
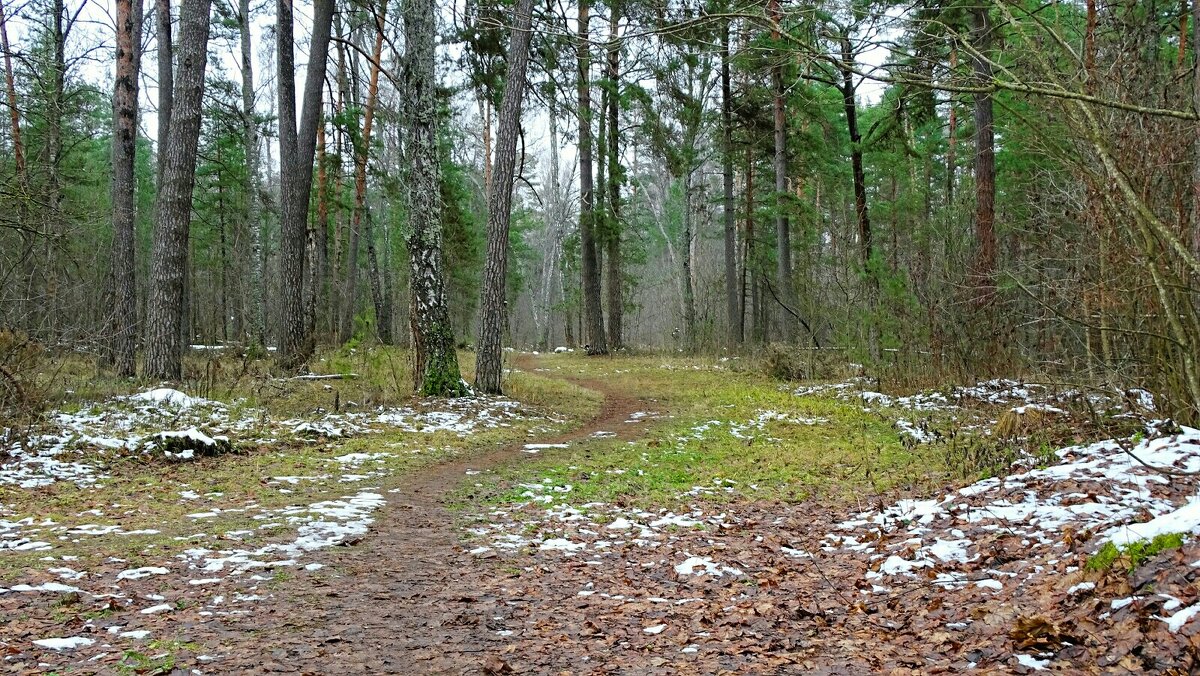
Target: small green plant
<point>1135,553</point>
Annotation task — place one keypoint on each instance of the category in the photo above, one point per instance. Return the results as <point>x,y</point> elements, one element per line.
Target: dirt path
<point>403,600</point>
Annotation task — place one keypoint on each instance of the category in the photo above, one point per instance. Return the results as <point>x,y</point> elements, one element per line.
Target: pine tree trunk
<point>589,264</point>
<point>436,364</point>
<point>257,331</point>
<point>493,309</point>
<point>164,315</point>
<point>166,79</point>
<point>124,153</point>
<point>734,335</point>
<point>613,275</point>
<point>297,147</point>
<point>783,242</point>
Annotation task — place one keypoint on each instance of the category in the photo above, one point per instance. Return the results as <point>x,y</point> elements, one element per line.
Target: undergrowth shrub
<point>789,362</point>
<point>20,359</point>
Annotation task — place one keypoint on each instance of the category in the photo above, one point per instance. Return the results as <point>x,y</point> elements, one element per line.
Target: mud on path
<point>404,599</point>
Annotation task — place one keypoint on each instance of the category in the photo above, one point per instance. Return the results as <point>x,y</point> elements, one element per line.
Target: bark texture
<point>593,320</point>
<point>435,370</point>
<point>493,309</point>
<point>164,312</point>
<point>124,151</point>
<point>297,147</point>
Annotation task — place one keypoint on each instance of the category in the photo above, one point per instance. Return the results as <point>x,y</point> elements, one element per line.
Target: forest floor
<point>625,515</point>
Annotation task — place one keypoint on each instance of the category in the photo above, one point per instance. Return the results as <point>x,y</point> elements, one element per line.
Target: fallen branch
<point>325,376</point>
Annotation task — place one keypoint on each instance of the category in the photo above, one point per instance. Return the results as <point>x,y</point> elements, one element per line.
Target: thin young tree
<point>493,310</point>
<point>124,152</point>
<point>383,323</point>
<point>297,147</point>
<point>985,163</point>
<point>19,165</point>
<point>783,239</point>
<point>435,372</point>
<point>613,274</point>
<point>727,207</point>
<point>164,311</point>
<point>257,329</point>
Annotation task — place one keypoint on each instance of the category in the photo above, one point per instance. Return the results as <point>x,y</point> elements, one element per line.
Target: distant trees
<point>711,174</point>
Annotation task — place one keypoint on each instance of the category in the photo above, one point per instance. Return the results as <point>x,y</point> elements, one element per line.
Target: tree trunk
<point>613,277</point>
<point>489,359</point>
<point>985,168</point>
<point>436,363</point>
<point>164,316</point>
<point>53,147</point>
<point>748,256</point>
<point>166,77</point>
<point>296,149</point>
<point>23,309</point>
<point>592,315</point>
<point>257,330</point>
<point>952,138</point>
<point>1196,130</point>
<point>865,241</point>
<point>124,153</point>
<point>689,291</point>
<point>734,335</point>
<point>783,241</point>
<point>383,322</point>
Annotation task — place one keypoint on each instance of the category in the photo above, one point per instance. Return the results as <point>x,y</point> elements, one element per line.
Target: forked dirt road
<point>406,598</point>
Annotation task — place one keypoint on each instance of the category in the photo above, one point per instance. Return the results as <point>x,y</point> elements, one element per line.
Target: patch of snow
<point>1032,662</point>
<point>64,643</point>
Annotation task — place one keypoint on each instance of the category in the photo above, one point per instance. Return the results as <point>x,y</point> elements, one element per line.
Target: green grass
<point>141,494</point>
<point>852,452</point>
<point>1134,554</point>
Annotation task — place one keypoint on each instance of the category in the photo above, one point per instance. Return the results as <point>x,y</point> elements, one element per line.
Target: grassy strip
<point>845,452</point>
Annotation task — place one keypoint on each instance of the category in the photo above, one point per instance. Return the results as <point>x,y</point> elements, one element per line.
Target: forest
<point>633,336</point>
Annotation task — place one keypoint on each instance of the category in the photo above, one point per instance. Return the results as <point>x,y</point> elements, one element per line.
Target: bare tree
<point>164,315</point>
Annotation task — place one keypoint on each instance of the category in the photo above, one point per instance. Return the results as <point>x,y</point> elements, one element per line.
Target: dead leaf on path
<point>1040,633</point>
<point>494,665</point>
